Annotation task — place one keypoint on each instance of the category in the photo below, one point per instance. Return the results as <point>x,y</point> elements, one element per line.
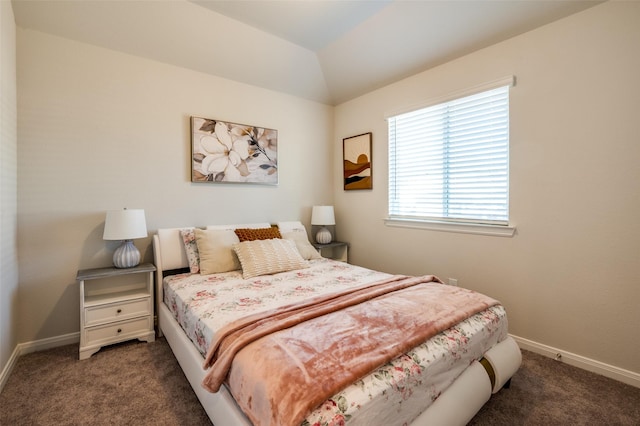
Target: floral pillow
<point>191,248</point>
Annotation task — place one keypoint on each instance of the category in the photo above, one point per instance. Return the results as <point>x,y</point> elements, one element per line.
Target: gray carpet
<point>141,384</point>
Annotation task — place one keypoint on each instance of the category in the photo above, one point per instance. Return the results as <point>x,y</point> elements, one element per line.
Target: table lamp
<point>323,216</point>
<point>125,225</point>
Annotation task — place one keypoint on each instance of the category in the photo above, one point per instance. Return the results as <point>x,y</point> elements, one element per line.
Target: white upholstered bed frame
<point>455,406</point>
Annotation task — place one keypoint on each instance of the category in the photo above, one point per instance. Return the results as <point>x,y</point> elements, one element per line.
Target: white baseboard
<point>48,343</point>
<point>619,374</point>
<point>8,368</point>
<point>35,346</point>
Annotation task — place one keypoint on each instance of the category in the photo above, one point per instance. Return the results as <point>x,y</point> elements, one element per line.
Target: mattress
<point>395,393</point>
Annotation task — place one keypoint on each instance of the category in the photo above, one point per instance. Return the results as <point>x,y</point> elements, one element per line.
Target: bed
<point>443,380</point>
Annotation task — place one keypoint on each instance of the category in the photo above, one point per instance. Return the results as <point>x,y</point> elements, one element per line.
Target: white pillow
<point>264,257</point>
<point>246,225</point>
<point>296,231</point>
<point>294,225</point>
<point>299,236</point>
<point>215,247</point>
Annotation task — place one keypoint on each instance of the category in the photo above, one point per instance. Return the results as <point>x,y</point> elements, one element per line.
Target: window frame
<point>466,226</point>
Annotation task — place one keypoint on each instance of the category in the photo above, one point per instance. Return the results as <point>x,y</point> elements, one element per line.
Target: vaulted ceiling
<point>325,51</point>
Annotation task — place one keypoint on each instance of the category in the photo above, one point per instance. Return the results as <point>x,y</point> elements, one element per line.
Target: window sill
<point>459,227</point>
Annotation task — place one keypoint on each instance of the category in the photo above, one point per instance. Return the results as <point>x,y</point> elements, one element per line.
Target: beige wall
<point>570,277</point>
<point>102,130</point>
<point>8,185</point>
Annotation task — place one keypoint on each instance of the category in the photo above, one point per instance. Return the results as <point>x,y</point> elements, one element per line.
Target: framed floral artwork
<point>357,162</point>
<point>231,152</point>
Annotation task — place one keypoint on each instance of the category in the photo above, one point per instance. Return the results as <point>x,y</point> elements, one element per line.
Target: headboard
<point>168,249</point>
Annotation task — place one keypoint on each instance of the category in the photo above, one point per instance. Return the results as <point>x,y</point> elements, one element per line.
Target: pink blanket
<point>281,364</point>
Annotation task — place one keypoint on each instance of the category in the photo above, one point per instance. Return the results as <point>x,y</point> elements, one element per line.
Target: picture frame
<point>226,152</point>
<point>356,154</point>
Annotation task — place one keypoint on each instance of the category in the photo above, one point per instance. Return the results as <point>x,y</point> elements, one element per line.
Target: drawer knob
<point>119,330</point>
<point>119,311</point>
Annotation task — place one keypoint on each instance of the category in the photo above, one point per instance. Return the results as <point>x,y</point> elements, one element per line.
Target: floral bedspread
<point>396,393</point>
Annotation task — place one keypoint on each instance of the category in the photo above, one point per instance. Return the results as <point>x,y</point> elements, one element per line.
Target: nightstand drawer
<point>117,331</point>
<point>117,311</point>
<point>116,304</point>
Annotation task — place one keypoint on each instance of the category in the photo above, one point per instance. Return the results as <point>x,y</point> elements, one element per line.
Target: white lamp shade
<point>322,215</point>
<point>125,225</point>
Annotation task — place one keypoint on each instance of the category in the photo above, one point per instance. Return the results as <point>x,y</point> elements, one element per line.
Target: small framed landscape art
<point>229,152</point>
<point>357,162</point>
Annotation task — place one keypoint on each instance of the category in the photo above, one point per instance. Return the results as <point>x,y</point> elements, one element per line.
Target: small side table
<point>115,305</point>
<point>336,250</point>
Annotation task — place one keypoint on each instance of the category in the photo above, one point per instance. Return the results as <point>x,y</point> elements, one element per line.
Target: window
<point>450,161</point>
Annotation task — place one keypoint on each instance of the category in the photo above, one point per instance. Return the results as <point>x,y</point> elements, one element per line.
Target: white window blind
<point>450,161</point>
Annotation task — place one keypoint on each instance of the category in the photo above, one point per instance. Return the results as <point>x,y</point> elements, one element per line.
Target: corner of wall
<point>8,189</point>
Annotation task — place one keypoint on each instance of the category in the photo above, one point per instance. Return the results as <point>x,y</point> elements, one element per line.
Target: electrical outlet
<point>453,281</point>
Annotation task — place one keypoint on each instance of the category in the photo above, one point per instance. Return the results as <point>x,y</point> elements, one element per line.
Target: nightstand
<point>115,305</point>
<point>335,250</point>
